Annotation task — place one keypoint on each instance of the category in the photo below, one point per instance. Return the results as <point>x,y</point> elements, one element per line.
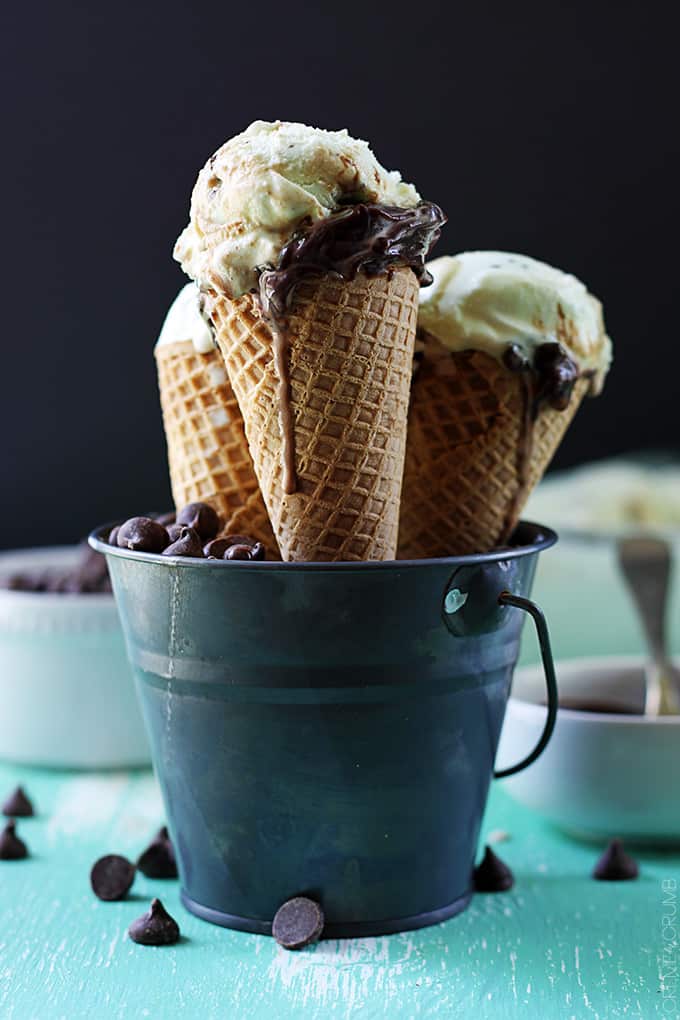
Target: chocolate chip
<point>143,535</point>
<point>256,548</point>
<point>166,519</point>
<point>298,923</point>
<point>18,805</point>
<point>11,847</point>
<point>188,544</point>
<point>155,928</point>
<point>113,535</point>
<point>111,877</point>
<point>216,549</point>
<point>238,540</point>
<point>238,552</point>
<point>615,865</point>
<point>91,574</point>
<point>492,875</point>
<point>202,518</point>
<point>17,582</point>
<point>174,531</point>
<point>158,860</point>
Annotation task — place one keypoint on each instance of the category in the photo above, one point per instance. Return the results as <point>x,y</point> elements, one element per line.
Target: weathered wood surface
<point>558,946</point>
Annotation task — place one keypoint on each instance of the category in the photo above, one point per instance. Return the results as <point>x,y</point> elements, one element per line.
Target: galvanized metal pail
<point>327,729</point>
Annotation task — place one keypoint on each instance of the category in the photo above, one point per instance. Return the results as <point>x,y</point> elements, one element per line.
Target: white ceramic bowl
<point>67,696</point>
<point>602,774</point>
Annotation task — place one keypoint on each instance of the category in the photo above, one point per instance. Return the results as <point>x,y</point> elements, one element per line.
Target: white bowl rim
<point>595,662</point>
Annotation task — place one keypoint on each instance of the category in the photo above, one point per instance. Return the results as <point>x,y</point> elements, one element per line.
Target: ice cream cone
<point>350,351</point>
<point>474,452</point>
<point>207,448</point>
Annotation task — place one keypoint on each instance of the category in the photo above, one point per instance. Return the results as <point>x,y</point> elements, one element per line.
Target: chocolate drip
<point>366,237</point>
<point>550,379</point>
<point>552,375</point>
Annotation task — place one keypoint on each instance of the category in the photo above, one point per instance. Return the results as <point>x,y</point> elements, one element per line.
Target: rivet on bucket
<point>455,600</point>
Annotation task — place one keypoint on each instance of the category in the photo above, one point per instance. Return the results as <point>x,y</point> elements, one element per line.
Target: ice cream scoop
<point>510,346</point>
<point>495,301</point>
<point>185,322</point>
<point>259,187</point>
<point>310,256</point>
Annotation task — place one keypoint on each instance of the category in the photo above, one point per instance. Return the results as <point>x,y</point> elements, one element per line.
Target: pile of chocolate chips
<point>88,576</point>
<point>191,532</point>
<point>111,879</point>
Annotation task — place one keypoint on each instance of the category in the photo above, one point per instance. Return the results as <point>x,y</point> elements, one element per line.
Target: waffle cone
<point>350,351</point>
<point>473,453</point>
<point>207,448</point>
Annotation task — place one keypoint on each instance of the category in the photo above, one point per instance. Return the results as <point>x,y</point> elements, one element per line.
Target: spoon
<point>645,563</point>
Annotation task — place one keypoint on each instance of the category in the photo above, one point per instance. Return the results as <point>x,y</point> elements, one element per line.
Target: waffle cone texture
<point>207,448</point>
<point>350,353</point>
<point>474,453</point>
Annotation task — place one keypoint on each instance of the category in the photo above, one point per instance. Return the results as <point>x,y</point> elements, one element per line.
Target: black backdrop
<point>549,129</point>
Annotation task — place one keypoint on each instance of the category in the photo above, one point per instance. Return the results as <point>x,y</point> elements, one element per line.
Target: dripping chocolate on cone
<point>312,290</point>
<point>509,348</point>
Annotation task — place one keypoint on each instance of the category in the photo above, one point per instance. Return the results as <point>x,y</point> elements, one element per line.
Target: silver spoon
<point>645,563</point>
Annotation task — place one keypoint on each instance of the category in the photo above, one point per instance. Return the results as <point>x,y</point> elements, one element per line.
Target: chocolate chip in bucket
<point>297,923</point>
<point>11,847</point>
<point>142,534</point>
<point>242,548</point>
<point>187,543</point>
<point>18,805</point>
<point>174,531</point>
<point>238,552</point>
<point>155,928</point>
<point>492,875</point>
<point>615,865</point>
<point>202,518</point>
<point>113,535</point>
<point>111,877</point>
<point>158,860</point>
<point>216,548</point>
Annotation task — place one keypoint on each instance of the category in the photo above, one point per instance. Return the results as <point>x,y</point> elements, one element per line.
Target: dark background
<point>548,129</point>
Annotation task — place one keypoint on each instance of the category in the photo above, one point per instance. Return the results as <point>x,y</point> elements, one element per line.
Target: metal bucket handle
<point>506,598</point>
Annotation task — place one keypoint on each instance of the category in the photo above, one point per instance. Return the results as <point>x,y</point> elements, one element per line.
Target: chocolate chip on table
<point>492,875</point>
<point>111,877</point>
<point>155,928</point>
<point>18,805</point>
<point>297,923</point>
<point>202,518</point>
<point>142,534</point>
<point>188,544</point>
<point>11,847</point>
<point>158,860</point>
<point>615,865</point>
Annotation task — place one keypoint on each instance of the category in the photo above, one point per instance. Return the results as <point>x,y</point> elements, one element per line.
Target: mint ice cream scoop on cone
<point>509,346</point>
<point>310,256</point>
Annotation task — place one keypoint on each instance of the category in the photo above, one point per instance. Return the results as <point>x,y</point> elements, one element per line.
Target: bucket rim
<point>532,538</point>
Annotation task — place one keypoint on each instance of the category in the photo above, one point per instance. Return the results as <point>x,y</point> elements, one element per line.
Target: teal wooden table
<point>559,945</point>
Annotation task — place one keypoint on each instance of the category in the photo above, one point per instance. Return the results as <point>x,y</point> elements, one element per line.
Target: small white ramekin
<point>603,774</point>
<point>67,695</point>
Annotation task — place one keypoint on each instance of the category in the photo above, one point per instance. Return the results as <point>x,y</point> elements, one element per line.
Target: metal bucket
<point>327,729</point>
